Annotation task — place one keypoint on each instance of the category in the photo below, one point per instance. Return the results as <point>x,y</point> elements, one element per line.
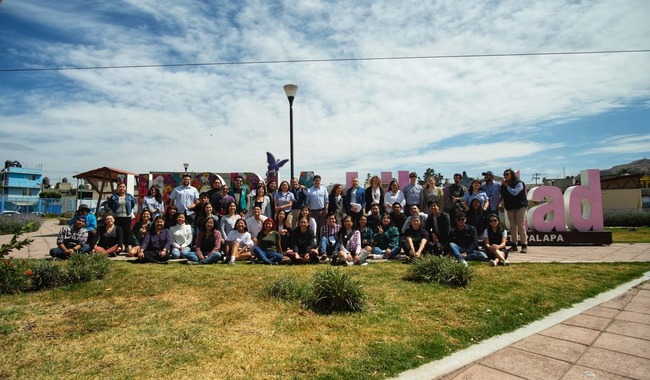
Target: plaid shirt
<point>330,231</point>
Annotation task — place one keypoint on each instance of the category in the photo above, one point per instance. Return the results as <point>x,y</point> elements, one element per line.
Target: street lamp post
<point>291,90</point>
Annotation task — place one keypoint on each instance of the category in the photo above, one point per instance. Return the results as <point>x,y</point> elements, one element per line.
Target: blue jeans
<point>267,257</point>
<point>393,252</point>
<point>215,257</point>
<point>59,254</point>
<point>182,252</point>
<point>326,246</point>
<point>473,255</point>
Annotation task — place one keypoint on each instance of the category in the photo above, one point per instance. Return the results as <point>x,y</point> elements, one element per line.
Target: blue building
<point>20,187</point>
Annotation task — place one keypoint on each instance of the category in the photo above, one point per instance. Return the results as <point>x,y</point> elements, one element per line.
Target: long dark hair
<point>513,177</point>
<point>157,195</point>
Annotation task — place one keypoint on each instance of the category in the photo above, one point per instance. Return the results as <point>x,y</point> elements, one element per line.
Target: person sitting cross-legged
<point>328,237</point>
<point>303,243</point>
<point>416,239</point>
<point>268,248</point>
<point>208,244</point>
<point>463,242</point>
<point>71,239</point>
<point>386,240</point>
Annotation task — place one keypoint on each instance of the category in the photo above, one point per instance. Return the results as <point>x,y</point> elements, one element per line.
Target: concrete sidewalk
<point>606,337</point>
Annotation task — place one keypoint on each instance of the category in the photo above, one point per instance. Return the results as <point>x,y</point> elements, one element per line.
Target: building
<point>20,187</point>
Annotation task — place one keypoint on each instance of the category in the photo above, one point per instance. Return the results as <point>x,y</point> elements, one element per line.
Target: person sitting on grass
<point>495,237</point>
<point>397,217</point>
<point>239,244</point>
<point>463,242</point>
<point>386,240</point>
<point>328,238</point>
<point>91,223</point>
<point>157,243</point>
<point>303,243</point>
<point>416,239</point>
<point>182,237</point>
<point>365,232</point>
<point>110,238</point>
<point>139,231</point>
<point>71,239</point>
<point>208,243</point>
<point>349,243</point>
<point>268,249</point>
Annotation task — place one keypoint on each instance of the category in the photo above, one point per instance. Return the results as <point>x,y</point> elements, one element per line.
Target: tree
<point>431,173</point>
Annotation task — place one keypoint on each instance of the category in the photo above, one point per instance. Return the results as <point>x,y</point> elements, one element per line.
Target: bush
<point>438,269</point>
<point>47,274</point>
<point>626,218</point>
<point>333,290</point>
<point>286,288</point>
<point>13,224</point>
<point>14,276</point>
<point>82,267</point>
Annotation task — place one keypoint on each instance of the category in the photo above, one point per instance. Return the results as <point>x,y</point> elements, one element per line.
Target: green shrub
<point>14,224</point>
<point>626,218</point>
<point>333,290</point>
<point>286,288</point>
<point>14,276</point>
<point>439,269</point>
<point>47,274</point>
<point>82,267</point>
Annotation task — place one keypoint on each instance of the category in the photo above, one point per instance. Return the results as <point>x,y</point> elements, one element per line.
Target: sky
<point>442,108</point>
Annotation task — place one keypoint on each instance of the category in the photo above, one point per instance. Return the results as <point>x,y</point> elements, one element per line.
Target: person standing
<point>454,200</point>
<point>493,191</point>
<point>185,197</point>
<point>375,195</point>
<point>299,200</point>
<point>413,192</point>
<point>513,194</point>
<point>355,201</point>
<point>318,202</point>
<point>238,192</point>
<point>122,204</point>
<point>153,202</point>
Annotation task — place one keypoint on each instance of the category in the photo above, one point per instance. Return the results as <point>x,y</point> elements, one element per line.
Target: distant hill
<point>635,167</point>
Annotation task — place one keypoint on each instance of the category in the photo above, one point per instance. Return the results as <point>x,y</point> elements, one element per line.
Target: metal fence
<point>56,206</point>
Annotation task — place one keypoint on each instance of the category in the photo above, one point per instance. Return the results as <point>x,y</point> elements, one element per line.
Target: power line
<point>323,60</point>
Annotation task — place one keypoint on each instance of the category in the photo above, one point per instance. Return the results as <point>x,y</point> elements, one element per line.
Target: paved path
<point>606,337</point>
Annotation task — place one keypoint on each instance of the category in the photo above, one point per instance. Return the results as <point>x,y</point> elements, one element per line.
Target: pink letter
<point>583,204</point>
<point>549,215</point>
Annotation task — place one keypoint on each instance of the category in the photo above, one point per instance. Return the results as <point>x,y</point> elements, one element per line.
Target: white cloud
<point>363,115</point>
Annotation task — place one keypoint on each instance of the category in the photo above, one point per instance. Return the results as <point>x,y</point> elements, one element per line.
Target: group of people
<point>271,223</point>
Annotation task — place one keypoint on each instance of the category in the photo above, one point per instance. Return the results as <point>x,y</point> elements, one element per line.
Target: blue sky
<point>551,115</point>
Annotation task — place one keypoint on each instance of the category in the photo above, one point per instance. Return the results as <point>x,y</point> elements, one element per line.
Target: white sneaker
<point>364,263</point>
<point>506,263</point>
<point>493,263</point>
<point>350,263</point>
<point>464,263</point>
<point>377,257</point>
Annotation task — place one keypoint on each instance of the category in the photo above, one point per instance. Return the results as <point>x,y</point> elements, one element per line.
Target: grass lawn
<point>630,234</point>
<point>213,322</point>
